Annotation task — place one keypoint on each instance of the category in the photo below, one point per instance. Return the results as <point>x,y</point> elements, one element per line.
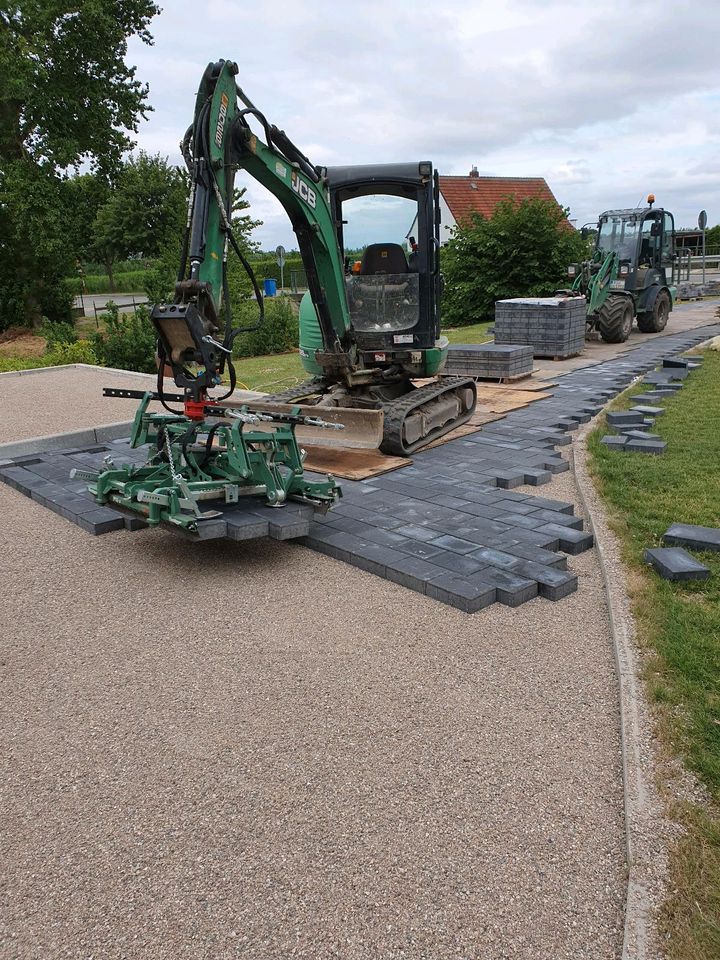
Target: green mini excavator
<point>367,333</point>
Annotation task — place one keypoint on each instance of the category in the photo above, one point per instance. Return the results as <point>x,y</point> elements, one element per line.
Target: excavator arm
<point>218,144</point>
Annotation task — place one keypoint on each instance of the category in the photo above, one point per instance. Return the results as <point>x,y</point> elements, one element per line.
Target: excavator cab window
<point>383,294</point>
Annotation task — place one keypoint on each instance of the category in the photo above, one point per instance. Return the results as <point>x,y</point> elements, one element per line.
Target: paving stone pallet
<point>450,526</point>
<point>490,360</point>
<point>553,326</point>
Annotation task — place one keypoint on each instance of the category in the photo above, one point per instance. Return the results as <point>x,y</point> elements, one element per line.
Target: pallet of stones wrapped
<point>489,361</point>
<point>632,427</point>
<point>552,326</point>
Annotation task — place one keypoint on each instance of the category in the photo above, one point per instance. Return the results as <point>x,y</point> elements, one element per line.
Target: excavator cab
<point>393,294</point>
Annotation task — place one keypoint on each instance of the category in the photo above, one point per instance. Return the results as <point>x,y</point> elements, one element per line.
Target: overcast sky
<point>607,100</point>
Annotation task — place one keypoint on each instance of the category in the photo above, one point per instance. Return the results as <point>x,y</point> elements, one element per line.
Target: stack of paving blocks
<point>632,426</point>
<point>674,563</point>
<point>553,326</point>
<point>497,361</point>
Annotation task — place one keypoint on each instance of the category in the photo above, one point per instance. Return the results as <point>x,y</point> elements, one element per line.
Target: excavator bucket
<point>363,429</point>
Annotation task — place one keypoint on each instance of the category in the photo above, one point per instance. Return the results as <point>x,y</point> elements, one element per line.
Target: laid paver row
<point>449,526</point>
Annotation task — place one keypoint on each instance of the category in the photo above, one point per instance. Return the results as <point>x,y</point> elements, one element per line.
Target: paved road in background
<point>100,300</point>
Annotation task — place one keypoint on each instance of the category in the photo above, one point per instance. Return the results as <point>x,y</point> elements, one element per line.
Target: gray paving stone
<point>537,554</point>
<point>497,558</point>
<point>510,589</point>
<point>545,503</point>
<point>507,479</point>
<point>673,563</point>
<point>640,435</point>
<point>456,563</point>
<point>416,548</point>
<point>552,584</point>
<point>646,446</point>
<point>100,521</point>
<point>245,526</point>
<point>537,477</point>
<point>570,540</point>
<point>648,411</point>
<point>614,442</point>
<point>461,592</point>
<point>624,418</point>
<point>692,536</point>
<point>456,544</point>
<point>563,519</point>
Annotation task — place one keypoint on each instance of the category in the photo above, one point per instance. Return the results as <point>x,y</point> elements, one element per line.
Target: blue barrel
<point>270,287</point>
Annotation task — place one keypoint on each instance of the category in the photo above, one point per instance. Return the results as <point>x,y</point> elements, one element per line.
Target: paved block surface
<point>452,525</point>
<point>674,563</point>
<point>693,537</point>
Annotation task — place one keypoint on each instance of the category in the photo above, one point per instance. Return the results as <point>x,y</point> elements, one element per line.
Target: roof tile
<point>467,195</point>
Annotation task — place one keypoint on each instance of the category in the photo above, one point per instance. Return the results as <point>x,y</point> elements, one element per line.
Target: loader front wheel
<point>615,319</point>
<point>656,319</point>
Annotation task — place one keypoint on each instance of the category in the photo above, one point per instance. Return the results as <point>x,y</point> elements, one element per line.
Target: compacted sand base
<point>220,750</point>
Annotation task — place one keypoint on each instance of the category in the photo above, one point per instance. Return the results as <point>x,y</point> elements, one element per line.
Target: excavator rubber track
<point>398,411</point>
<point>298,393</point>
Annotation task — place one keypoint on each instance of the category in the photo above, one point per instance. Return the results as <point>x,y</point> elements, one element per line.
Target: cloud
<point>607,106</point>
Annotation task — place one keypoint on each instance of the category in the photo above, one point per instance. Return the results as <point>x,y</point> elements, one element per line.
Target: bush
<point>277,334</point>
<point>56,334</point>
<point>62,353</point>
<point>128,341</point>
<point>523,250</point>
<point>78,352</point>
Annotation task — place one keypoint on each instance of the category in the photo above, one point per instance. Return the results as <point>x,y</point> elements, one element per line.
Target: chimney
<point>473,172</point>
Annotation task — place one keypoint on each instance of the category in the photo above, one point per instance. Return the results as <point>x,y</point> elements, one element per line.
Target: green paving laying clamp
<point>191,461</point>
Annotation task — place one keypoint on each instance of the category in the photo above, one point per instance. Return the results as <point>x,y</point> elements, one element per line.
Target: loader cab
<point>643,240</point>
<point>392,284</point>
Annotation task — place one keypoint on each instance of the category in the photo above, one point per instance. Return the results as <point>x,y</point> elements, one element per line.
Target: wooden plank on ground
<point>351,464</point>
<point>502,399</point>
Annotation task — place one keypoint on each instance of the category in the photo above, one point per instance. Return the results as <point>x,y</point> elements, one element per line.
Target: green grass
<point>272,373</point>
<point>476,333</point>
<point>679,625</point>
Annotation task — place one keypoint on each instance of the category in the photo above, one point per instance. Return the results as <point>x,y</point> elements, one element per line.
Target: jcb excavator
<point>366,333</point>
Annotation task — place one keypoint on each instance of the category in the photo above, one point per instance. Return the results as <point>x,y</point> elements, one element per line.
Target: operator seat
<point>383,258</point>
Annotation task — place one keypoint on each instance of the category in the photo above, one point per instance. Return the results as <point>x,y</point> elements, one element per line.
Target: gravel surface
<point>55,401</point>
<point>58,400</point>
<point>227,750</point>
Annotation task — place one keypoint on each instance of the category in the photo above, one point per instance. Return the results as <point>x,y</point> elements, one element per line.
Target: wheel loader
<point>368,330</point>
<point>627,277</point>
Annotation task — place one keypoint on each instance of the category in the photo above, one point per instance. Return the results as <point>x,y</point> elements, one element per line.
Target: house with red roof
<point>460,197</point>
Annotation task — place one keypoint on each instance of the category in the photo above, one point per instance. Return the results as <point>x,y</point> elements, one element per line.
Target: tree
<point>144,214</point>
<point>712,238</point>
<point>522,250</point>
<point>242,223</point>
<point>67,97</point>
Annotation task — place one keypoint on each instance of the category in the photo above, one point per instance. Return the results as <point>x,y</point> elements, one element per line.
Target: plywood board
<point>351,464</point>
<point>502,399</point>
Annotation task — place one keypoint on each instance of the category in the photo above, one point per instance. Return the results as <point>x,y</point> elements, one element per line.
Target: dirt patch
<point>19,342</point>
